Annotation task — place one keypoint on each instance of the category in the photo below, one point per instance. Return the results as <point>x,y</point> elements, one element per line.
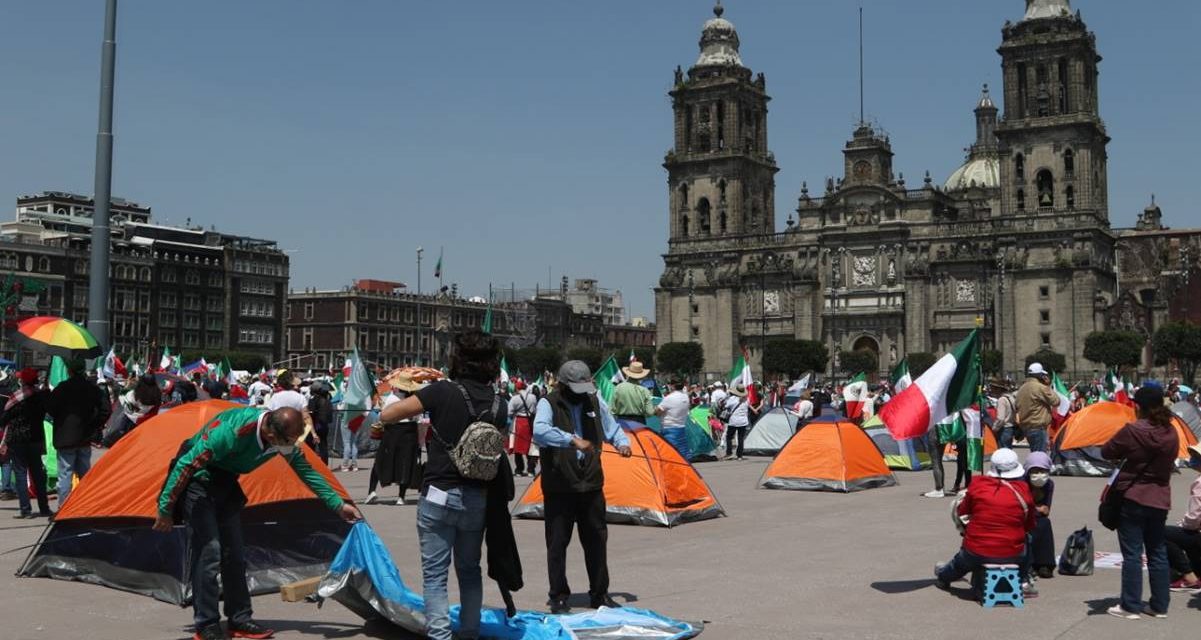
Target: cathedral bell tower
<point>721,176</point>
<point>1052,140</point>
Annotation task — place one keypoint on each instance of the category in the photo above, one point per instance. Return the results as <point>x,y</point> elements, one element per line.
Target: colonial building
<point>1017,241</point>
<point>183,288</point>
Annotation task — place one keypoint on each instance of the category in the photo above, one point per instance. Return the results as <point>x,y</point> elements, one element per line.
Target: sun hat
<point>402,381</point>
<point>576,375</point>
<point>1038,460</point>
<point>635,371</point>
<point>1005,465</point>
<point>738,390</point>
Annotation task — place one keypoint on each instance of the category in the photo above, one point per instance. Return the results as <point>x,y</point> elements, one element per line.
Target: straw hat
<point>739,391</point>
<point>635,371</point>
<point>402,381</point>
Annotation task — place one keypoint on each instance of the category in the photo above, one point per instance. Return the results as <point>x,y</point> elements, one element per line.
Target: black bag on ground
<point>1077,558</point>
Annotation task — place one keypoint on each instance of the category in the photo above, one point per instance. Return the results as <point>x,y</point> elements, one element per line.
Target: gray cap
<point>577,377</point>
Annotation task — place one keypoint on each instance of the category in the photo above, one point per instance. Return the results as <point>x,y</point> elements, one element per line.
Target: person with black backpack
<point>461,454</point>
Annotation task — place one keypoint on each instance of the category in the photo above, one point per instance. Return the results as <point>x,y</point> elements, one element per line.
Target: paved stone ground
<point>782,565</point>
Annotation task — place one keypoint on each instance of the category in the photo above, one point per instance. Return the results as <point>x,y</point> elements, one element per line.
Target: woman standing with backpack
<point>450,515</point>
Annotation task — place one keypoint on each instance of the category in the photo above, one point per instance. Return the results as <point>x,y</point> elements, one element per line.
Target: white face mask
<point>1039,479</point>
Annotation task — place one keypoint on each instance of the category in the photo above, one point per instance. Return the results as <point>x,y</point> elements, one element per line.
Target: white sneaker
<point>400,502</point>
<point>370,499</point>
<point>1118,612</point>
<point>937,493</point>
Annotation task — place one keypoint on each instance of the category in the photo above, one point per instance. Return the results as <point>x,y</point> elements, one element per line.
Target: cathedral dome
<point>1037,9</point>
<point>983,172</point>
<point>719,41</point>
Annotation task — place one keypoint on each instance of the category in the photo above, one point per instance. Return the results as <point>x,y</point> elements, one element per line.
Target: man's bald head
<point>286,425</point>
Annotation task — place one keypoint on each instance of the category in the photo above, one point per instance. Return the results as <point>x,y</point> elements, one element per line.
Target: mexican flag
<point>900,376</point>
<point>360,387</point>
<point>486,327</point>
<point>438,267</point>
<point>740,374</point>
<point>225,372</point>
<point>603,379</point>
<point>167,363</point>
<point>965,426</point>
<point>854,394</point>
<point>112,366</point>
<point>800,385</point>
<point>1065,397</point>
<point>952,384</point>
<point>633,358</point>
<point>504,371</point>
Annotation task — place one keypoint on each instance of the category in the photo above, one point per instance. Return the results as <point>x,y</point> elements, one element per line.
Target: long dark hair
<point>475,355</point>
<point>1158,415</point>
<point>147,392</point>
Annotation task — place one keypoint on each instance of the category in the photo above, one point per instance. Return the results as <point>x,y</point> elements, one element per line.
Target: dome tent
<point>828,456</point>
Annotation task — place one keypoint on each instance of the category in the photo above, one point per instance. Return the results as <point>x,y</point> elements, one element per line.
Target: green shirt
<point>631,399</point>
<point>231,442</point>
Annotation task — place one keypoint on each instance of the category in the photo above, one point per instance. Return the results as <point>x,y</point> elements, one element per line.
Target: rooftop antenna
<point>861,120</point>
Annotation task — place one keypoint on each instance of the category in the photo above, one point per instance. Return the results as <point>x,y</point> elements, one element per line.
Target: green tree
<point>793,358</point>
<point>1115,348</point>
<point>1178,343</point>
<point>684,359</point>
<point>534,361</point>
<point>645,355</point>
<point>860,361</point>
<point>594,358</point>
<point>991,361</point>
<point>1050,360</point>
<point>919,362</point>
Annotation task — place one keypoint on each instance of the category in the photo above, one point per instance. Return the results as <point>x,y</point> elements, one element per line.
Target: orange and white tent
<point>102,534</point>
<point>1077,444</point>
<point>828,456</point>
<point>655,486</point>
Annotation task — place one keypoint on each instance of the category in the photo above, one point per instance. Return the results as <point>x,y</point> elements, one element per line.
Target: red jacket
<point>998,524</point>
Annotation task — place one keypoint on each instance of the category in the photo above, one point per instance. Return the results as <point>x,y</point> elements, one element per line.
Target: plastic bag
<point>1077,558</point>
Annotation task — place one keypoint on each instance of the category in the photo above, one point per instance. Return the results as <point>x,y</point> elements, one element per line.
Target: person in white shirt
<point>259,391</point>
<point>718,397</point>
<point>287,396</point>
<point>740,419</point>
<point>522,407</point>
<point>674,408</point>
<point>804,407</point>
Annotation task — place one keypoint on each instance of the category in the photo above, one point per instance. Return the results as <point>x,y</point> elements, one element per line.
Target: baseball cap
<point>576,375</point>
<point>1036,369</point>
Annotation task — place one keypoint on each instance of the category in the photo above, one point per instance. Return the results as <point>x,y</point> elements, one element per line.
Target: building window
<point>308,311</point>
<point>191,321</point>
<point>191,339</point>
<point>306,339</point>
<point>256,335</point>
<point>1046,189</point>
<point>1044,317</point>
<point>166,318</point>
<point>44,264</point>
<point>408,315</point>
<point>381,313</point>
<point>146,275</point>
<point>1069,196</point>
<point>192,278</point>
<point>1044,292</point>
<point>81,266</point>
<point>1046,340</point>
<point>169,275</point>
<point>257,308</point>
<point>254,285</point>
<point>191,302</point>
<point>214,303</point>
<point>214,341</point>
<point>683,197</point>
<point>214,322</point>
<point>1069,163</point>
<point>29,263</point>
<point>702,215</point>
<point>1021,200</point>
<point>167,300</point>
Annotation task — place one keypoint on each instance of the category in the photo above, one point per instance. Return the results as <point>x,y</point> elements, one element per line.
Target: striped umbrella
<point>57,337</point>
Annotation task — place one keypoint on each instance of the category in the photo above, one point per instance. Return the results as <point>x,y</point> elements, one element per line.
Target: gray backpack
<point>479,450</point>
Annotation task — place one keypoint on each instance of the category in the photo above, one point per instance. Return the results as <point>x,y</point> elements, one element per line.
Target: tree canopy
<point>793,358</point>
<point>1115,348</point>
<point>684,359</point>
<point>1178,343</point>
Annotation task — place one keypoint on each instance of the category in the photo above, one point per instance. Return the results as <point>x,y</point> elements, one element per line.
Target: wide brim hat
<point>402,381</point>
<point>635,371</point>
<point>739,391</point>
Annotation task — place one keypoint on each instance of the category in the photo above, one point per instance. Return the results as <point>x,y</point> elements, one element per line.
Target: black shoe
<point>211,632</point>
<point>1045,572</point>
<point>604,601</point>
<point>559,606</point>
<point>250,629</point>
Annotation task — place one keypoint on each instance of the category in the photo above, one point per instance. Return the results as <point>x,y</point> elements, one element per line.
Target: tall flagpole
<point>861,65</point>
<point>98,283</point>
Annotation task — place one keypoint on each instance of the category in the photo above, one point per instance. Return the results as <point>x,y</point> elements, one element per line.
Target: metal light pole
<point>419,349</point>
<point>98,283</point>
<point>691,302</point>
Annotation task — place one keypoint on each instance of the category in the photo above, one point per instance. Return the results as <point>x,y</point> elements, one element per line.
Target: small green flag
<point>58,372</point>
<point>603,379</point>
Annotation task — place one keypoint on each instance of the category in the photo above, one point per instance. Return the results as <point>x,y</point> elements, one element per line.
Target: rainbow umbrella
<point>58,337</point>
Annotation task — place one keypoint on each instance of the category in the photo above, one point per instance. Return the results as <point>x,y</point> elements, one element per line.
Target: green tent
<point>700,434</point>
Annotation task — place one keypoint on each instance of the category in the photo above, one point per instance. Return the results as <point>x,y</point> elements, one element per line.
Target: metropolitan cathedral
<point>1016,241</point>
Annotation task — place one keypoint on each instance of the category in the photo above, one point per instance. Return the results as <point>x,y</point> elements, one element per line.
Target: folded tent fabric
<point>364,579</point>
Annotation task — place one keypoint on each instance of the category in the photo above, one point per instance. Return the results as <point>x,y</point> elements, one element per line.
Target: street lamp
<point>102,197</point>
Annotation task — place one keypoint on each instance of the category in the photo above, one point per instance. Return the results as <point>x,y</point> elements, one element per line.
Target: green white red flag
<point>900,376</point>
<point>854,394</point>
<point>951,385</point>
<point>740,374</point>
<point>1065,396</point>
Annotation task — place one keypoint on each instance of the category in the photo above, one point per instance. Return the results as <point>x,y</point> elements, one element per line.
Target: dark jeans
<point>27,458</point>
<point>731,432</point>
<point>563,512</point>
<point>966,562</point>
<point>1037,439</point>
<point>519,463</point>
<point>1184,550</point>
<point>963,475</point>
<point>322,448</point>
<point>1005,438</point>
<point>1042,544</point>
<point>215,534</point>
<point>1141,529</point>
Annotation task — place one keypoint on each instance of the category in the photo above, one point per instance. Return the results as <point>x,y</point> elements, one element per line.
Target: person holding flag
<point>738,419</point>
<point>1036,404</point>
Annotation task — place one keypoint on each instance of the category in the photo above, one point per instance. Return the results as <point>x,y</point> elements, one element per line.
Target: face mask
<point>285,449</point>
<point>1039,479</point>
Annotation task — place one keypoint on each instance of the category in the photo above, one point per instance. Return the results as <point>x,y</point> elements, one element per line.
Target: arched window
<point>721,192</point>
<point>1019,168</point>
<point>1046,189</point>
<point>1069,163</point>
<point>44,264</point>
<point>683,197</point>
<point>684,225</point>
<point>146,274</point>
<point>29,263</point>
<point>1064,102</point>
<point>721,125</point>
<point>1070,197</point>
<point>702,214</point>
<point>721,221</point>
<point>1021,200</point>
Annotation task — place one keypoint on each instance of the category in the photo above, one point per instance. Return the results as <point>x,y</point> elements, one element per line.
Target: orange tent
<point>828,456</point>
<point>102,534</point>
<point>655,486</point>
<point>990,445</point>
<point>1078,442</point>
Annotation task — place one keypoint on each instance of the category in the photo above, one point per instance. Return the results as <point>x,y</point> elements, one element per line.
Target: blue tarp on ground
<point>364,579</point>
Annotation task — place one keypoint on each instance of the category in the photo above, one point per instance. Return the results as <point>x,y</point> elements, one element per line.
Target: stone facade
<point>1017,241</point>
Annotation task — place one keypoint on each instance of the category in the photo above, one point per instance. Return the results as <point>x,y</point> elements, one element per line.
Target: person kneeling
<point>999,514</point>
<point>1042,540</point>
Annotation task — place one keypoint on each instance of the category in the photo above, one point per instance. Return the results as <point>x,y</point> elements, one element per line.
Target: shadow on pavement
<point>583,601</point>
<point>369,629</point>
<point>902,586</point>
<point>1097,607</point>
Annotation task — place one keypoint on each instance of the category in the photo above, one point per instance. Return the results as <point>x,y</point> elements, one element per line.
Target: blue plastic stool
<point>1002,584</point>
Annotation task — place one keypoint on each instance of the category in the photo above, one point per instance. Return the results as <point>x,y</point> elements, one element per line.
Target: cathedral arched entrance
<point>867,342</point>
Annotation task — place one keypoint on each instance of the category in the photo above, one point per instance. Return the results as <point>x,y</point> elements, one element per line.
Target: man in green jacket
<point>203,483</point>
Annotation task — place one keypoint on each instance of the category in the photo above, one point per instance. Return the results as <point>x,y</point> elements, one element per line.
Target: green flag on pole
<point>604,379</point>
<point>58,372</point>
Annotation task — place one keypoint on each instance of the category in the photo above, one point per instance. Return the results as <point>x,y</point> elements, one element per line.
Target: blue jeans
<point>350,441</point>
<point>1037,439</point>
<point>214,524</point>
<point>966,562</point>
<point>27,464</point>
<point>454,528</point>
<point>1005,438</point>
<point>6,478</point>
<point>71,462</point>
<point>1142,529</point>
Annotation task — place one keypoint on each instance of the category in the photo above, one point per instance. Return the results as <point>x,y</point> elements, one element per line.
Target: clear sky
<point>527,136</point>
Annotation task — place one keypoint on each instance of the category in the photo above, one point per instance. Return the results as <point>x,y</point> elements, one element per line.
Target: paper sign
<point>436,496</point>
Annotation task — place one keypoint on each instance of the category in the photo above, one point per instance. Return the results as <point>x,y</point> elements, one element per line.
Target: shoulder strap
<point>1018,495</point>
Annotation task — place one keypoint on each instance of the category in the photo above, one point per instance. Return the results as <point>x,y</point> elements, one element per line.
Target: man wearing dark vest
<point>571,426</point>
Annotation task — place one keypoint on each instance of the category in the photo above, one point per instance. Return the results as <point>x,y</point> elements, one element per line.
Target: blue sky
<point>527,136</point>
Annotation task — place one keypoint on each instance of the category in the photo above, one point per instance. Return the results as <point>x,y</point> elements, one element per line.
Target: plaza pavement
<point>784,564</point>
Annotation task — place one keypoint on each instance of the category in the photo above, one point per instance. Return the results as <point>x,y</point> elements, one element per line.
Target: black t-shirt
<point>449,417</point>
